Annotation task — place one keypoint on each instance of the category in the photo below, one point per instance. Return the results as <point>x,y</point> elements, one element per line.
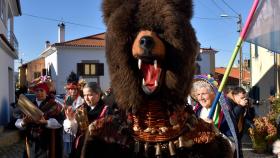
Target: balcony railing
<point>13,40</point>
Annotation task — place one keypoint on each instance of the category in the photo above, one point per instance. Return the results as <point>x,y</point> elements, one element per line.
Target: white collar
<point>204,113</point>
<point>38,102</point>
<point>92,107</point>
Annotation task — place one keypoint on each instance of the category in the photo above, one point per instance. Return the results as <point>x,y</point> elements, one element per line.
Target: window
<point>2,10</point>
<point>255,93</point>
<point>198,57</point>
<point>90,69</point>
<point>49,71</point>
<point>256,51</point>
<point>197,69</point>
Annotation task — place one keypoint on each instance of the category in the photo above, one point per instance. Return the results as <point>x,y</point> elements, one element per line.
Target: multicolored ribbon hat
<point>208,79</point>
<point>42,82</point>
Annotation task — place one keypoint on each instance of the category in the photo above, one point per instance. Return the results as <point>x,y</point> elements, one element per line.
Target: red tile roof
<point>97,40</point>
<point>234,73</point>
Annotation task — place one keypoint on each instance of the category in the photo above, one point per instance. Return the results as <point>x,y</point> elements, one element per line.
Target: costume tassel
<point>181,144</point>
<point>146,148</point>
<point>172,149</point>
<point>158,150</point>
<point>137,147</point>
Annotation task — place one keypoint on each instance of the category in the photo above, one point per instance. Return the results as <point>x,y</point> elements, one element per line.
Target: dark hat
<point>94,87</point>
<point>72,81</point>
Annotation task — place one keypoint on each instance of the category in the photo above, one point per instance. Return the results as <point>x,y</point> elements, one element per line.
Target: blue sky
<point>40,19</point>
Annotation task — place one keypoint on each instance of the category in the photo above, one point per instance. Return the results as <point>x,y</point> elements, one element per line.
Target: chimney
<point>61,32</point>
<point>47,44</point>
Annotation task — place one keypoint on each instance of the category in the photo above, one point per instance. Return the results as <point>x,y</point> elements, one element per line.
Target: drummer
<point>42,135</point>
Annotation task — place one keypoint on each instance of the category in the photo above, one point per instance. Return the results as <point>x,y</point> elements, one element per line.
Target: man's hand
<point>42,121</point>
<point>27,120</point>
<point>69,113</point>
<point>243,102</point>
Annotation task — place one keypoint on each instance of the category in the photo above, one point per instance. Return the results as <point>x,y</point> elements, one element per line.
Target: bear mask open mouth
<point>151,72</point>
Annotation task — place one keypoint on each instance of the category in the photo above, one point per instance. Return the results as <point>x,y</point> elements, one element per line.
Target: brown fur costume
<point>151,49</point>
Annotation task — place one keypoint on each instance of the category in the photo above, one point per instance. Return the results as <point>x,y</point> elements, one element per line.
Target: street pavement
<point>12,151</point>
<point>248,152</point>
<point>16,150</point>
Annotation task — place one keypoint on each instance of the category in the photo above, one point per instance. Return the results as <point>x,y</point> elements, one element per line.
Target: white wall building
<point>84,56</point>
<point>265,76</point>
<point>8,53</point>
<point>206,61</point>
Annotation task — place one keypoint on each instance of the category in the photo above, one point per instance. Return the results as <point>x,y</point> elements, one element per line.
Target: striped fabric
<point>218,116</point>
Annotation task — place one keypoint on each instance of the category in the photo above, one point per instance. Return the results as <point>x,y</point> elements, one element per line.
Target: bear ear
<point>186,6</point>
<point>109,6</point>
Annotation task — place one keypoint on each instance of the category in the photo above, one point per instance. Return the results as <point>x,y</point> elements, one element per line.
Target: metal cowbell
<point>172,149</point>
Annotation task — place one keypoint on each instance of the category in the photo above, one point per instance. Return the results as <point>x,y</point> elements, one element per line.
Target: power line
<point>230,7</point>
<point>206,6</point>
<point>205,18</point>
<point>68,22</point>
<point>223,11</point>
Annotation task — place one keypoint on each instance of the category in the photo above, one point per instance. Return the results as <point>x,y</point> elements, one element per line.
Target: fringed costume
<point>151,49</point>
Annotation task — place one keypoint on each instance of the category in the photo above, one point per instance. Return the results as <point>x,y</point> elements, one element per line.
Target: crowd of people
<point>61,130</point>
<point>231,114</point>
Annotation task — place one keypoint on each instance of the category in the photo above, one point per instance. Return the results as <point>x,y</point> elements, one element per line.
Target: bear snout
<point>148,44</point>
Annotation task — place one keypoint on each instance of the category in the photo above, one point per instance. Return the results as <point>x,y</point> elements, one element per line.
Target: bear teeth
<point>139,63</point>
<point>155,64</point>
<point>143,82</point>
<point>156,83</point>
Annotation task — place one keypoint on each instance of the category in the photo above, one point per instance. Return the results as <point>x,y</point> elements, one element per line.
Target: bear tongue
<point>151,75</point>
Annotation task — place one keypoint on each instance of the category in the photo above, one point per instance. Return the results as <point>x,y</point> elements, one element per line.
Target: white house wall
<point>6,86</point>
<point>263,75</point>
<point>3,23</point>
<point>3,29</point>
<point>51,62</point>
<point>205,63</point>
<point>67,62</point>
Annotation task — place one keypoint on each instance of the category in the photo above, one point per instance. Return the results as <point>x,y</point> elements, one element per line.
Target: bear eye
<point>160,33</point>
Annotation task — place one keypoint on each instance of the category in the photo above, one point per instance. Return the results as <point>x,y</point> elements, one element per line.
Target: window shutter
<point>255,93</point>
<point>198,57</point>
<point>80,69</point>
<point>100,69</point>
<point>50,71</point>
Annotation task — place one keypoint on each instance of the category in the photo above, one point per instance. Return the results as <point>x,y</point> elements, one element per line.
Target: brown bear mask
<point>150,48</point>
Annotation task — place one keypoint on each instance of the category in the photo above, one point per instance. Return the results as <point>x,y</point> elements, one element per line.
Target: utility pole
<point>239,30</point>
<point>239,23</point>
<point>277,75</point>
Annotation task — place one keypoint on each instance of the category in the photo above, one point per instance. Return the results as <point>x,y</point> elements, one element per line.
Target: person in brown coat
<point>44,136</point>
